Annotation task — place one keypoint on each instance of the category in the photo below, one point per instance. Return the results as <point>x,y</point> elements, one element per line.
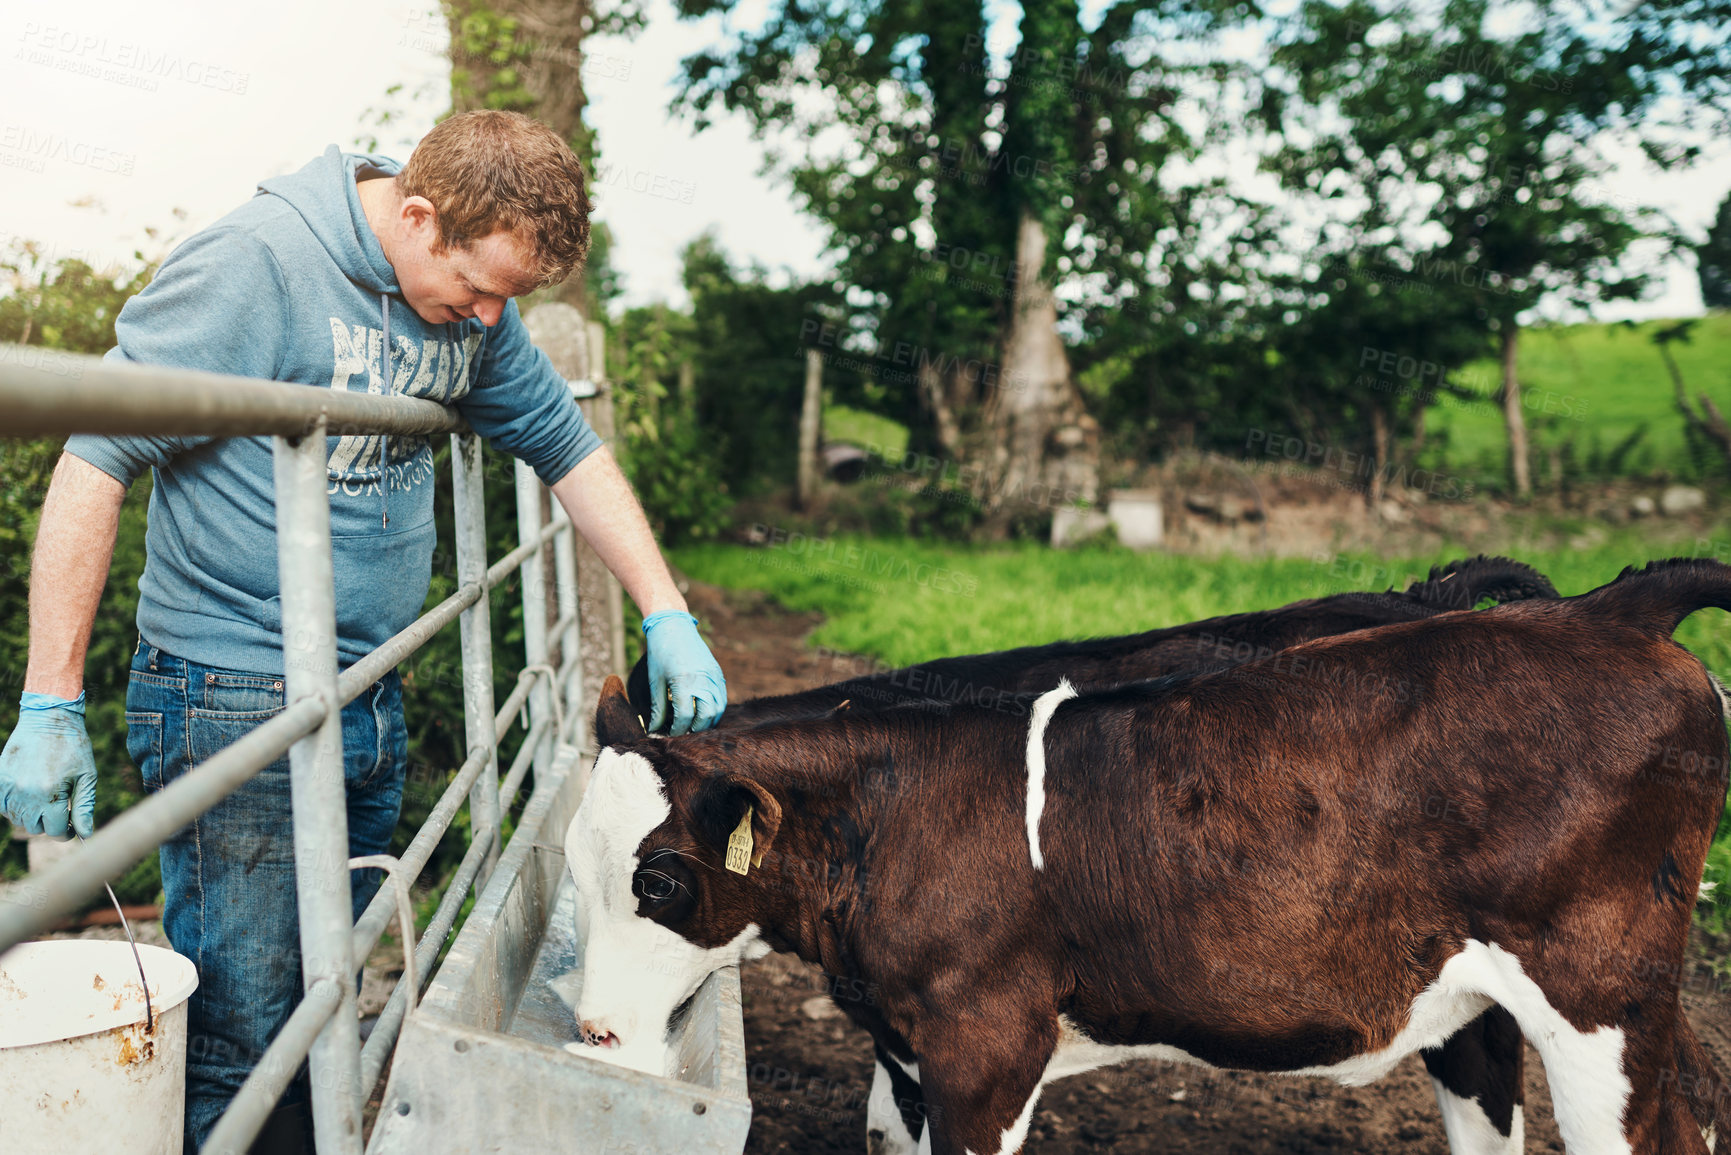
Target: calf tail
<point>1463,584</point>
<point>1655,599</point>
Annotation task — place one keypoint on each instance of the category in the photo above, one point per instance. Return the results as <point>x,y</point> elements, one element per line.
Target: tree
<point>1713,260</point>
<point>980,205</point>
<point>527,56</point>
<point>747,352</point>
<point>1480,152</point>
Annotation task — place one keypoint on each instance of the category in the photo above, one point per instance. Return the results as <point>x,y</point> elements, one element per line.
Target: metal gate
<point>487,1036</point>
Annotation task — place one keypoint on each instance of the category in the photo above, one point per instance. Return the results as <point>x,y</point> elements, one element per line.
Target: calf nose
<point>597,1035</point>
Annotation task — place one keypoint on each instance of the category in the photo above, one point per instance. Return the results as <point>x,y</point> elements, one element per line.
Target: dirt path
<point>810,1069</point>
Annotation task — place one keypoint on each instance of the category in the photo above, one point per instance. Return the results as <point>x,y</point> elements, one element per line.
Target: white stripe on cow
<point>1043,709</point>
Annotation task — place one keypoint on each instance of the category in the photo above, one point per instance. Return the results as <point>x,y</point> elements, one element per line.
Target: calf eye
<point>655,886</point>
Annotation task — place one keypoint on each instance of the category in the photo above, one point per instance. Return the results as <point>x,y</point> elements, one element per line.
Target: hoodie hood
<point>292,286</point>
<point>317,193</point>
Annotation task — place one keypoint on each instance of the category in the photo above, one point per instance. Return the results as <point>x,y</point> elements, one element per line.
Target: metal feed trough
<point>483,1055</point>
<point>478,1063</point>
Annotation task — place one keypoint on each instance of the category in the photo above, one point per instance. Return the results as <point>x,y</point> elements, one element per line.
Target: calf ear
<point>722,804</point>
<point>637,689</point>
<point>615,721</point>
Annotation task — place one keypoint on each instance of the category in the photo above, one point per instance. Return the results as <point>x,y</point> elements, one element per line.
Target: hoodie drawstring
<point>385,438</point>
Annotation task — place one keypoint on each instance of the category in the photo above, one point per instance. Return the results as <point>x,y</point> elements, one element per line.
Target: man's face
<point>458,283</point>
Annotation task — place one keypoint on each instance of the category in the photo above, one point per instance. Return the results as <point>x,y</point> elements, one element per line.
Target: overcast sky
<point>115,114</point>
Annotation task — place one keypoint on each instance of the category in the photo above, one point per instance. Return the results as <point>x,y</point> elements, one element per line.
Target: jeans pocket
<point>252,826</point>
<point>225,693</point>
<point>209,731</point>
<point>230,706</point>
<point>144,746</point>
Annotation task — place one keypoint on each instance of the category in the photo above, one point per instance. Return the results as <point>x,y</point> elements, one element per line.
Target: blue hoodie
<point>293,286</point>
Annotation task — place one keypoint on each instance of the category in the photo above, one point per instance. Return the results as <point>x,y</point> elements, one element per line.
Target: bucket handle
<point>149,1015</point>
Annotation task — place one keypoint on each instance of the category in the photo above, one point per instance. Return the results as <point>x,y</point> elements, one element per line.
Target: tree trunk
<point>687,390</point>
<point>577,349</point>
<point>935,394</point>
<point>1513,417</point>
<point>1379,436</point>
<point>542,77</point>
<point>1043,449</point>
<point>1709,422</point>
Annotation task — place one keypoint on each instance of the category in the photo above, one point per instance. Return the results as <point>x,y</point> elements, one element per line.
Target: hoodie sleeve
<point>219,303</point>
<point>520,403</point>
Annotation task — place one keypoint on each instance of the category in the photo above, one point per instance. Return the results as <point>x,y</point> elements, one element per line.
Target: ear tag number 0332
<point>739,843</point>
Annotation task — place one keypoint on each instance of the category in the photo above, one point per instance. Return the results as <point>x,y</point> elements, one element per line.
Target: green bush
<point>676,471</point>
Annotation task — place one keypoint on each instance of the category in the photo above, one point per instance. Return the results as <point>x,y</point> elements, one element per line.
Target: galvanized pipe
<point>372,922</point>
<point>50,393</point>
<point>483,845</point>
<point>471,512</point>
<point>499,569</point>
<point>567,632</point>
<point>390,1020</point>
<point>31,907</point>
<point>318,797</point>
<point>354,680</point>
<point>534,589</point>
<point>252,1104</point>
<point>418,633</point>
<point>47,393</point>
<point>513,782</point>
<point>565,622</point>
<point>507,715</point>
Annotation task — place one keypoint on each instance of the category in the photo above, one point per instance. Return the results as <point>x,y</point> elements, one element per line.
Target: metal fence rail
<point>65,393</point>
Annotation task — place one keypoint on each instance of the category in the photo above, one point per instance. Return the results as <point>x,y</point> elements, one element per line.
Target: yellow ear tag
<point>739,846</point>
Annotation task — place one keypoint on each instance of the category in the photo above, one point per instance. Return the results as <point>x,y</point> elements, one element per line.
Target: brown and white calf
<point>1477,1073</point>
<point>1319,862</point>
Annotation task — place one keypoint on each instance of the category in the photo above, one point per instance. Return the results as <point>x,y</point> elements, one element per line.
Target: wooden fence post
<point>810,421</point>
<point>574,346</point>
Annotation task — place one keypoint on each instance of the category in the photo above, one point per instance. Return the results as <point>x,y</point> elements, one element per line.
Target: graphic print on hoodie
<point>293,286</point>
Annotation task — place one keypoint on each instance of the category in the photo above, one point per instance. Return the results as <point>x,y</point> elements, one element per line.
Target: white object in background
<point>1137,517</point>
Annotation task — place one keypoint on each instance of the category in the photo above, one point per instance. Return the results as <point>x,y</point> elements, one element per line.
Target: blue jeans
<point>228,879</point>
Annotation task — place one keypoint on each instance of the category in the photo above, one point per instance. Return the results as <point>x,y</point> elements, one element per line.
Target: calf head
<point>658,908</point>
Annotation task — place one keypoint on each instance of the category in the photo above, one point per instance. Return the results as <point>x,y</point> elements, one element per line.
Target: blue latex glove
<point>681,667</point>
<point>47,764</point>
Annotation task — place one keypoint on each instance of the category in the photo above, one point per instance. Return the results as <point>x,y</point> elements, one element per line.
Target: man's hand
<point>47,765</point>
<point>682,668</point>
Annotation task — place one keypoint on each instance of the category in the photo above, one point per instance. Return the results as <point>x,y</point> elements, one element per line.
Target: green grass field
<point>874,431</point>
<point>1599,383</point>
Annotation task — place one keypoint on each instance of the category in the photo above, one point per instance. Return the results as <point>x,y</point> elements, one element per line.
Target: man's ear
<point>615,721</point>
<point>721,804</point>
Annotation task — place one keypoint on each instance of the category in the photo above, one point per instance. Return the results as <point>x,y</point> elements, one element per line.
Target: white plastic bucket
<point>79,1070</point>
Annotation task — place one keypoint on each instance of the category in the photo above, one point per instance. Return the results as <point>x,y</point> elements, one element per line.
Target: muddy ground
<point>810,1069</point>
